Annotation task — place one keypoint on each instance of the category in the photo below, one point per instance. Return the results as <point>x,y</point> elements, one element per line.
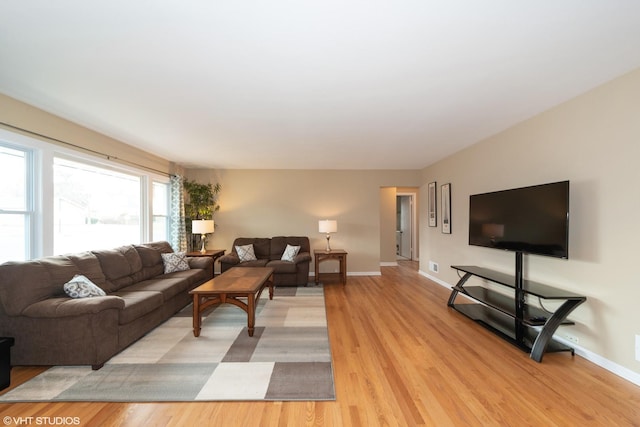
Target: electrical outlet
<point>638,348</point>
<point>433,266</point>
<point>571,338</point>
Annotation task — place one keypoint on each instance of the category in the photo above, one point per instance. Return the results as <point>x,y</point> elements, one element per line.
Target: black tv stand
<point>510,316</point>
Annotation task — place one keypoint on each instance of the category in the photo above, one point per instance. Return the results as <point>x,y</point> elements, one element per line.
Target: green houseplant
<point>201,203</point>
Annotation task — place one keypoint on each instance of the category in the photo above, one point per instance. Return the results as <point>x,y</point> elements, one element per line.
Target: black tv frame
<point>521,246</point>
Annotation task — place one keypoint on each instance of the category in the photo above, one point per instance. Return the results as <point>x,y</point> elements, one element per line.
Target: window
<point>94,207</point>
<point>56,200</point>
<point>160,211</point>
<point>16,207</point>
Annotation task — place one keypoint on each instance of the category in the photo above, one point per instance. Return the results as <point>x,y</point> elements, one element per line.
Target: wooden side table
<point>214,254</point>
<point>337,254</point>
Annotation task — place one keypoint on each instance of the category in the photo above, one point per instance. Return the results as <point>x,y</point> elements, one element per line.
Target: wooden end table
<point>337,254</point>
<point>237,282</point>
<point>213,253</point>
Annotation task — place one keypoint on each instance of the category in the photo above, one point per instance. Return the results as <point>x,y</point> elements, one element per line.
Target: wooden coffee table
<point>235,283</point>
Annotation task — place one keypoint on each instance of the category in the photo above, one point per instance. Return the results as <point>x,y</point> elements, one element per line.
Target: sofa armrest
<point>302,257</point>
<point>204,262</point>
<point>65,307</point>
<point>231,259</point>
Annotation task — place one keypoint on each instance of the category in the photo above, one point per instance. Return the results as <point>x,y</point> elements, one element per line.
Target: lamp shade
<point>327,226</point>
<point>202,226</point>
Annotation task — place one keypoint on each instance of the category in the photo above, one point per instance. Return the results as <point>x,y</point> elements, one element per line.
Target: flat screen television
<point>531,220</point>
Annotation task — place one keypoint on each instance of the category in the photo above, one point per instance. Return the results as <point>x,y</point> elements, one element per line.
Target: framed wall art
<point>432,212</point>
<point>446,208</point>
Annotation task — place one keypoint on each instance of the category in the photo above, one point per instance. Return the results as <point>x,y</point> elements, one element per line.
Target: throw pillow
<point>81,287</point>
<point>246,253</point>
<point>290,253</point>
<point>175,261</point>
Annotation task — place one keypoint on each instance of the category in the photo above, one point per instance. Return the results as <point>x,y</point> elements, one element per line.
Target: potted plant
<point>201,203</point>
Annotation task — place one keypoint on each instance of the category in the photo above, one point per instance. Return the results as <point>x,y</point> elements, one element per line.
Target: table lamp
<point>328,226</point>
<point>202,227</point>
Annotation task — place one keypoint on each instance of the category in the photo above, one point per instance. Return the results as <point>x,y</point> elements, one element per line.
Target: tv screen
<point>533,220</point>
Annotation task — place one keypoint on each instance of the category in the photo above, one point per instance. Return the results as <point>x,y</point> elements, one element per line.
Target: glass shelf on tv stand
<point>512,321</point>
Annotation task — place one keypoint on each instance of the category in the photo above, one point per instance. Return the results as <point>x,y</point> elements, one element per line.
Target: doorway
<point>404,226</point>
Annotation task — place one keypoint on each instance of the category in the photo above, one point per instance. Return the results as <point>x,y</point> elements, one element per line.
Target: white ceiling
<point>294,84</point>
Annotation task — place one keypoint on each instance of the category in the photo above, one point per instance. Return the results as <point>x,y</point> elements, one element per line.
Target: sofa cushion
<point>175,262</point>
<point>246,253</point>
<point>256,263</point>
<point>150,255</point>
<point>201,262</point>
<point>280,266</point>
<point>261,245</point>
<point>69,307</point>
<point>279,244</point>
<point>137,304</point>
<point>16,298</point>
<point>150,252</point>
<point>192,276</point>
<point>45,278</point>
<point>168,287</point>
<point>121,266</point>
<point>61,269</point>
<point>89,266</point>
<point>81,287</point>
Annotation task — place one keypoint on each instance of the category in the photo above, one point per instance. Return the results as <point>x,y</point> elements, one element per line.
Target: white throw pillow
<point>246,253</point>
<point>81,287</point>
<point>290,253</point>
<point>175,261</point>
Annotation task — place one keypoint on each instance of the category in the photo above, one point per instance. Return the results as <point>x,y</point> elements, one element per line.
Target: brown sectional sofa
<point>51,328</point>
<point>269,252</point>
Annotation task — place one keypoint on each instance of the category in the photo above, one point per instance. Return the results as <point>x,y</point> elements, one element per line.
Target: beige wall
<point>388,225</point>
<point>265,203</point>
<point>17,114</point>
<point>593,141</point>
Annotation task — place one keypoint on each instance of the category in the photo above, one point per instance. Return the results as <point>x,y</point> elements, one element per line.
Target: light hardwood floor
<point>401,357</point>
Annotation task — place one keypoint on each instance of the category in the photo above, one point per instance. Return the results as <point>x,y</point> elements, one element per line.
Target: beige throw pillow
<point>246,253</point>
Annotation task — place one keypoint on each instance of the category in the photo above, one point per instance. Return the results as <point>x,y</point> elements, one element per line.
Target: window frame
<point>40,232</point>
<point>167,184</point>
<point>32,176</point>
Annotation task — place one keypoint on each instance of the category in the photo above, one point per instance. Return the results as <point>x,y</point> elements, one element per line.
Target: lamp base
<point>328,245</point>
<point>203,249</point>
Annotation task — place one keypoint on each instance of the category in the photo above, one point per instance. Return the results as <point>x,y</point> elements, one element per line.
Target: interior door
<point>403,226</point>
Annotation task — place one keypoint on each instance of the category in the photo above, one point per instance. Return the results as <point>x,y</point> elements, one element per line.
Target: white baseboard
<point>351,273</point>
<point>435,279</point>
<point>389,264</point>
<point>599,360</point>
<point>607,364</point>
<point>364,273</point>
